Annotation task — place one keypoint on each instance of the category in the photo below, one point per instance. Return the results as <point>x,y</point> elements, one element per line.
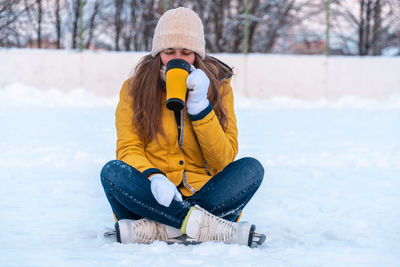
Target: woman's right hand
<point>197,83</point>
<point>164,190</point>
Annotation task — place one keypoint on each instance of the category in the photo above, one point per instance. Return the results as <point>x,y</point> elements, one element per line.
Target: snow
<point>330,195</point>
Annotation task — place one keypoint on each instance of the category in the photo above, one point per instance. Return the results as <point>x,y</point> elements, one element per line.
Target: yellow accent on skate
<point>183,227</point>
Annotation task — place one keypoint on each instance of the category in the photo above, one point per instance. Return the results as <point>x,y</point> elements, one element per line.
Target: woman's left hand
<point>163,190</point>
<point>197,83</point>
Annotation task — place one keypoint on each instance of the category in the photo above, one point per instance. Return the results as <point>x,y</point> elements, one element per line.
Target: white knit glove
<point>164,190</point>
<point>197,83</point>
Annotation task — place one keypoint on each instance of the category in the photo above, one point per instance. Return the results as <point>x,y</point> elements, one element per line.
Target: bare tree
<point>76,6</point>
<point>7,12</point>
<point>220,19</point>
<point>374,21</point>
<point>10,12</point>
<point>364,27</point>
<point>92,22</point>
<point>128,33</point>
<point>39,22</point>
<point>140,21</point>
<point>31,22</point>
<point>57,24</point>
<point>118,23</point>
<point>275,17</point>
<point>224,22</point>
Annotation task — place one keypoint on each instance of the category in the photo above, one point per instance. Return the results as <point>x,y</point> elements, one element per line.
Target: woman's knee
<point>107,169</point>
<point>111,170</point>
<point>254,168</point>
<point>119,173</point>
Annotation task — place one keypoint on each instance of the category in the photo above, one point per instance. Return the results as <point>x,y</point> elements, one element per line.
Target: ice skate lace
<point>213,228</point>
<point>148,231</point>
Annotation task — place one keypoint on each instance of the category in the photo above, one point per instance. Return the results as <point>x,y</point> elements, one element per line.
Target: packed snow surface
<point>330,196</point>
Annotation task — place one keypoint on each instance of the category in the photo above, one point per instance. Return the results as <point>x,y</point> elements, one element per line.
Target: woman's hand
<point>197,83</point>
<point>164,190</point>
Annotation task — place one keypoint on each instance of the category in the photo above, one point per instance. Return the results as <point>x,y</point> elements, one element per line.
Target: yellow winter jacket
<point>202,151</point>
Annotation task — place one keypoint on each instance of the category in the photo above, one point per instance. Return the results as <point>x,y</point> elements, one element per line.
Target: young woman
<point>175,178</point>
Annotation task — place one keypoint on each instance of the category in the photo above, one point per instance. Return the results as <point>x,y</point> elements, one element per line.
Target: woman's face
<point>177,53</point>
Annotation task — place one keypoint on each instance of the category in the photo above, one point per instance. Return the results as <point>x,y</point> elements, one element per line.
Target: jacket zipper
<point>185,182</point>
<point>206,166</point>
<point>182,128</point>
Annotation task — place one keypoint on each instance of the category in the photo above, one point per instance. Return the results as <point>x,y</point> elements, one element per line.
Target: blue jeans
<point>224,195</point>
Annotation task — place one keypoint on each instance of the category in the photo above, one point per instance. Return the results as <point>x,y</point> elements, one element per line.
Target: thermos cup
<point>175,82</point>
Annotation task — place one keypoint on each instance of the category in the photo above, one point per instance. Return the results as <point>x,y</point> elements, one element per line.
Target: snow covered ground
<point>330,197</point>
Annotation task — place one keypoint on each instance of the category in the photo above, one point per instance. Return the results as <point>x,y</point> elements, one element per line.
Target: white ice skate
<point>145,231</point>
<point>203,226</point>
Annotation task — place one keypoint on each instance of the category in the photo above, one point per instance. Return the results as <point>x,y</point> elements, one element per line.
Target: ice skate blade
<point>184,240</point>
<point>258,239</point>
<point>110,233</point>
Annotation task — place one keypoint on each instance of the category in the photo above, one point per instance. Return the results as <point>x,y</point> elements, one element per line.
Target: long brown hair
<point>146,87</point>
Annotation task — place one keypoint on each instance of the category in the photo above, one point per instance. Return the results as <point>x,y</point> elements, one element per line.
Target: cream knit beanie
<point>179,28</point>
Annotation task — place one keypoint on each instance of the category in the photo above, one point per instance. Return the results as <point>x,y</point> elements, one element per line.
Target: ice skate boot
<point>202,226</point>
<point>145,231</point>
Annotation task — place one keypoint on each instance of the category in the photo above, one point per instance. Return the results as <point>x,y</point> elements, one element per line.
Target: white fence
<point>256,75</point>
